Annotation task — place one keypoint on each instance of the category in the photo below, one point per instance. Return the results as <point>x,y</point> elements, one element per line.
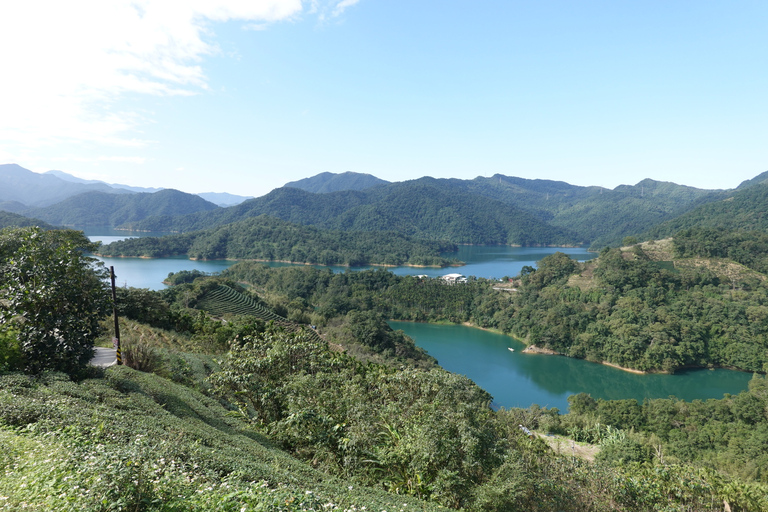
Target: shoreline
<point>384,265</point>
<point>533,349</point>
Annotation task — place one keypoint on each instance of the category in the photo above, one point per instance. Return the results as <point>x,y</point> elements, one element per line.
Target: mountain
<point>12,206</point>
<point>599,215</point>
<point>108,209</point>
<point>331,182</point>
<point>33,189</point>
<point>74,179</point>
<point>271,239</point>
<point>217,198</point>
<point>757,180</point>
<point>745,209</point>
<point>223,198</point>
<point>8,219</point>
<point>425,208</point>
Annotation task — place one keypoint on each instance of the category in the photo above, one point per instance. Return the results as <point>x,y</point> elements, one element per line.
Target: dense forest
<point>269,239</point>
<point>109,209</point>
<point>424,209</point>
<point>698,301</point>
<point>485,210</point>
<point>598,215</point>
<point>8,220</point>
<point>500,209</point>
<point>743,209</point>
<point>284,389</point>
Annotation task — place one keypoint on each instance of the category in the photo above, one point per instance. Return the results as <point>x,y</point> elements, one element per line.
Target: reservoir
<point>519,380</point>
<point>513,378</point>
<point>492,262</point>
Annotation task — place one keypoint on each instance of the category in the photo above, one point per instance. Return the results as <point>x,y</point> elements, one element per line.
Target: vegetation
<point>268,239</point>
<point>741,210</point>
<point>225,411</point>
<point>110,209</point>
<point>600,216</point>
<point>52,298</point>
<point>425,209</point>
<point>641,308</point>
<point>496,210</point>
<point>8,219</point>
<point>330,182</point>
<point>728,434</point>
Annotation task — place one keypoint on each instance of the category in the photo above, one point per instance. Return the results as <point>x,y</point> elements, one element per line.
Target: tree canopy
<point>52,297</point>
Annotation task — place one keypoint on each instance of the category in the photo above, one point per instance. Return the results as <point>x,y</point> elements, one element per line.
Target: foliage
<point>109,209</point>
<point>8,219</point>
<point>749,248</point>
<point>739,210</point>
<point>426,209</point>
<point>730,434</point>
<point>52,295</point>
<point>270,239</point>
<point>630,310</point>
<point>134,441</point>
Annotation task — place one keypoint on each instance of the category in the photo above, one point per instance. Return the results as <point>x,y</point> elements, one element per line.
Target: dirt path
<point>566,446</point>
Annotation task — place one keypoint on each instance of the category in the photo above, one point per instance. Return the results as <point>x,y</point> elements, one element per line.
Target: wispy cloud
<point>65,65</point>
<point>342,5</point>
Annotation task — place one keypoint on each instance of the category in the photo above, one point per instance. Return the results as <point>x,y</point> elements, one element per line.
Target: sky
<point>243,96</point>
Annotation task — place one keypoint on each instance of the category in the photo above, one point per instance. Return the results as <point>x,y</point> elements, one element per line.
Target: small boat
<point>511,349</point>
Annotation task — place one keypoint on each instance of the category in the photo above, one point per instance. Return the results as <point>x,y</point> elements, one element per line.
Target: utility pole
<point>116,340</point>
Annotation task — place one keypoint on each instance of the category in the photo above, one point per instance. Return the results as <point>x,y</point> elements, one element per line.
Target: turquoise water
<point>493,262</point>
<point>519,380</point>
<point>513,378</point>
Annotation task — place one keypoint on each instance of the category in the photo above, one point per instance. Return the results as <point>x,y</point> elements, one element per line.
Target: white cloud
<point>65,64</point>
<point>343,4</point>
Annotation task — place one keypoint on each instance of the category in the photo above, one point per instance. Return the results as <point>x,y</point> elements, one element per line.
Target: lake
<point>494,262</point>
<point>513,378</point>
<point>519,380</point>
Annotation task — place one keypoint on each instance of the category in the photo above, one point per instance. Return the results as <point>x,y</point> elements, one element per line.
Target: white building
<point>454,278</point>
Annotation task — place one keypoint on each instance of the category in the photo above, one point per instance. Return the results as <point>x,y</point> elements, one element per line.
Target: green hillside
<point>269,239</point>
<point>8,219</point>
<point>425,208</point>
<point>598,215</point>
<point>331,182</point>
<point>107,209</point>
<point>238,414</point>
<point>743,209</point>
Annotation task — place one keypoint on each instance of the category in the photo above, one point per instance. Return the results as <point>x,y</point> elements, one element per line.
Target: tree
<point>52,295</point>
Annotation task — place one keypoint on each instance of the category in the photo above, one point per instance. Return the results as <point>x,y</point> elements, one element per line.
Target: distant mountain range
<point>21,188</point>
<point>496,210</point>
<point>103,209</point>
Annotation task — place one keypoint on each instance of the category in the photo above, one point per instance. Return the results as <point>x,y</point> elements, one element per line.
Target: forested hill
<point>496,210</point>
<point>331,182</point>
<point>696,300</point>
<point>742,209</point>
<point>270,239</point>
<point>107,209</point>
<point>8,219</point>
<point>424,208</point>
<point>33,189</point>
<point>599,215</point>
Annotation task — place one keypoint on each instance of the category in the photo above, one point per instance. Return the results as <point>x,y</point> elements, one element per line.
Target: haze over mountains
<point>31,189</point>
<point>486,210</point>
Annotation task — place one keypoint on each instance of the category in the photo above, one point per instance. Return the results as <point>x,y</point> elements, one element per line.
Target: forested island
<point>268,239</point>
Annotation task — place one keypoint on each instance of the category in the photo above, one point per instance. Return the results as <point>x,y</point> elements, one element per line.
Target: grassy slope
<point>130,437</point>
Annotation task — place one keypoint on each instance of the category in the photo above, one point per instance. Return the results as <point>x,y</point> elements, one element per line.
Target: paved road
<point>104,357</point>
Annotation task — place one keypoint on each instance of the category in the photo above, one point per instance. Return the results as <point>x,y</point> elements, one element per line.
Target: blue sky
<point>244,96</point>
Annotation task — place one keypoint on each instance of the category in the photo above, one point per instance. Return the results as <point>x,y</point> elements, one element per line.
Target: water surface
<point>519,380</point>
<point>493,262</point>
